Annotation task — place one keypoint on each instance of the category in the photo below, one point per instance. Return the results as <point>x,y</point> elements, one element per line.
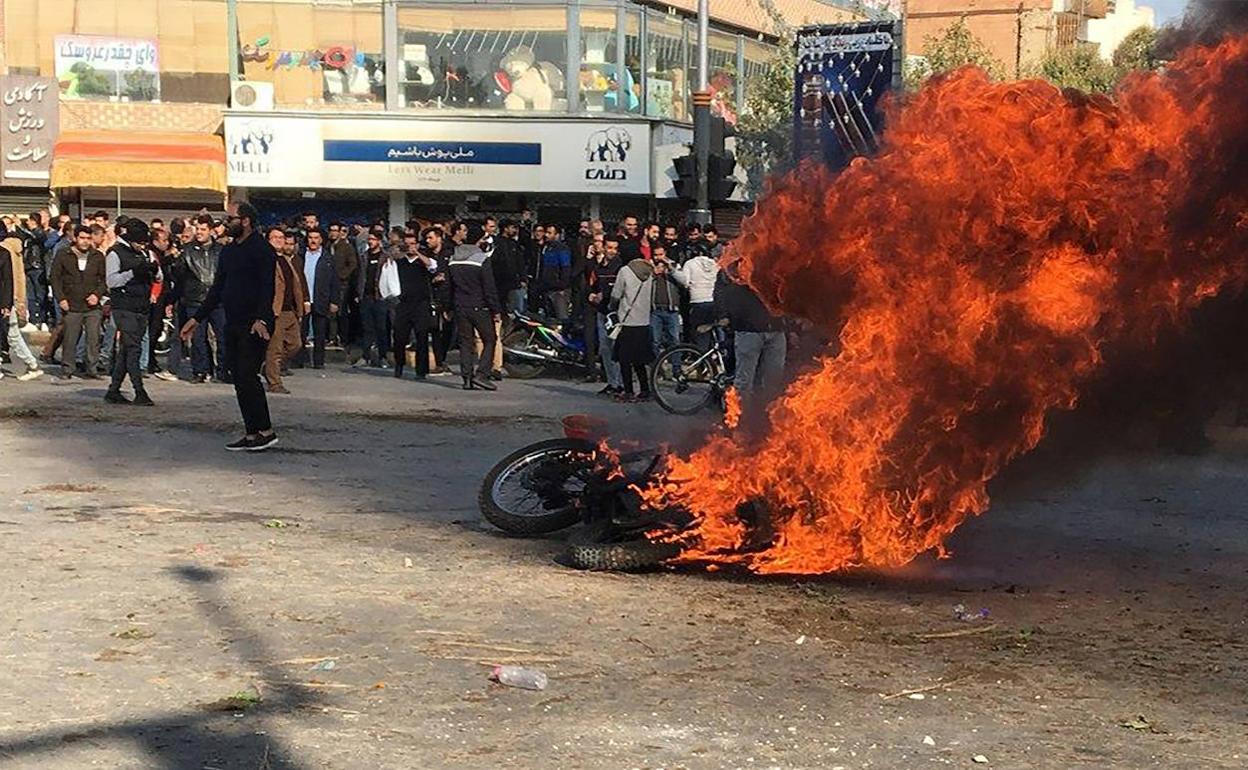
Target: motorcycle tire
<point>587,551</point>
<point>517,368</point>
<point>518,523</point>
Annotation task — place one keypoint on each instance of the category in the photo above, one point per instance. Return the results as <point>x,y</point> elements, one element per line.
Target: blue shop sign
<point>386,151</point>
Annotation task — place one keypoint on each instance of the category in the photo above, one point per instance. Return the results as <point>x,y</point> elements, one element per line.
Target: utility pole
<point>231,34</point>
<point>702,120</point>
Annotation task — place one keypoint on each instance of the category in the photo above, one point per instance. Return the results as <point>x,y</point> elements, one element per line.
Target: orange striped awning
<point>182,161</point>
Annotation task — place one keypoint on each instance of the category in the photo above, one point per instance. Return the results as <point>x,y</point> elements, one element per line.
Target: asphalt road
<point>345,592</point>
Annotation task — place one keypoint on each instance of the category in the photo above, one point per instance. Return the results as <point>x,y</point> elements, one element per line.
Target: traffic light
<point>721,164</point>
<point>686,182</point>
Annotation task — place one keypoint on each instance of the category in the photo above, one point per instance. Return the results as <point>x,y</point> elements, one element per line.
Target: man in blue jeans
<point>664,302</point>
<point>601,276</point>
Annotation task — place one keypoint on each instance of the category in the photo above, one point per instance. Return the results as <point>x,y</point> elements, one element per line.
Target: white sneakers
<point>26,376</point>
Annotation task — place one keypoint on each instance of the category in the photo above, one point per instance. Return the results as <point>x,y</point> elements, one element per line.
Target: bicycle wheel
<point>684,379</point>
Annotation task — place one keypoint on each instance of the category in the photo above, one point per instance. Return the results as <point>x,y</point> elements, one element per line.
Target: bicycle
<point>686,378</point>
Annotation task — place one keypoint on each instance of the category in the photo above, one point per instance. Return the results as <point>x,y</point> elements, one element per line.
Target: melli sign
<point>487,154</point>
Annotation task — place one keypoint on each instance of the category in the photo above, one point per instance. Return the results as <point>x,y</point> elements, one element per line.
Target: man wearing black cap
<point>129,273</point>
<point>244,286</point>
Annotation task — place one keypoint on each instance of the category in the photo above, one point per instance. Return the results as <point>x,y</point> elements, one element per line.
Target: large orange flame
<point>1007,238</point>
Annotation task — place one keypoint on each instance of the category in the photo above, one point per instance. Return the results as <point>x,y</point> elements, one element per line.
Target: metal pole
<point>231,34</point>
<point>393,56</point>
<point>573,63</point>
<point>704,20</point>
<point>702,120</point>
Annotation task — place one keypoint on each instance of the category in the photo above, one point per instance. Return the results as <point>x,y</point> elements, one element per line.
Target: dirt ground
<point>333,603</point>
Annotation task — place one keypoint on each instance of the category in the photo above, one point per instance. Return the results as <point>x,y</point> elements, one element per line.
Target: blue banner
<point>387,151</point>
<point>843,70</point>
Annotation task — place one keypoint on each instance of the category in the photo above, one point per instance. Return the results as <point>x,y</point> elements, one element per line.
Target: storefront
<point>142,174</point>
<point>432,167</point>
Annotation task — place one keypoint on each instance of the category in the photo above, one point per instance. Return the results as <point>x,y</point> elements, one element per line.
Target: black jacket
<point>196,271</point>
<point>74,285</point>
<point>369,273</point>
<point>135,295</point>
<point>6,281</point>
<point>327,286</point>
<point>508,263</point>
<point>442,287</point>
<point>34,251</point>
<point>243,284</point>
<point>602,281</point>
<point>744,310</point>
<point>472,280</point>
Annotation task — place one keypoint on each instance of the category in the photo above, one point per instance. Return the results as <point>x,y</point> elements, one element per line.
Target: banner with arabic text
<point>112,68</point>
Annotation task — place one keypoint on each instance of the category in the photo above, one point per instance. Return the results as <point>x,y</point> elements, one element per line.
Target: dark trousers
<point>375,318</point>
<point>36,296</point>
<point>131,326</point>
<point>700,314</point>
<point>201,353</point>
<point>481,321</point>
<point>443,334</point>
<point>591,334</point>
<point>155,326</point>
<point>340,324</point>
<point>320,333</point>
<point>245,353</point>
<point>412,318</point>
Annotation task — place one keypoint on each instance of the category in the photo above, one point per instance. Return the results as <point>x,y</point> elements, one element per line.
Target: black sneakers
<point>142,399</point>
<point>113,397</point>
<point>257,444</point>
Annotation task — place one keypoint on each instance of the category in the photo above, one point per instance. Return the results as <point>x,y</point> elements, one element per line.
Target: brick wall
<point>139,116</point>
<point>1015,31</point>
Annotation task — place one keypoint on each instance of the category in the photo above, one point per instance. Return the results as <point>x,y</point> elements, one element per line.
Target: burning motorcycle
<point>532,345</point>
<point>553,484</point>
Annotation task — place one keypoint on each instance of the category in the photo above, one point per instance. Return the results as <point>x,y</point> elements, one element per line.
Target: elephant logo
<point>255,139</point>
<point>608,145</point>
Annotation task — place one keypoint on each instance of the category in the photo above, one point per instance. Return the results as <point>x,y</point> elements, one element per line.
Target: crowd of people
<point>112,296</point>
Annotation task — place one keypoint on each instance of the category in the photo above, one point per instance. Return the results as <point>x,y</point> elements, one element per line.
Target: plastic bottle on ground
<point>518,676</point>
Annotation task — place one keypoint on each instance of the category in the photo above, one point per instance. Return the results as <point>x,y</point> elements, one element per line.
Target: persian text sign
<point>91,67</point>
<point>28,129</point>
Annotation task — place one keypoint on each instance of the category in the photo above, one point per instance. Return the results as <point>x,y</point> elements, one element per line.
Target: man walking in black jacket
<point>408,282</point>
<point>243,286</point>
<point>476,305</point>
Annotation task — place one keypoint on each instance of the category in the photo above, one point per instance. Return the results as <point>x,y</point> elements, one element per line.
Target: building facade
<point>369,108</point>
<point>1019,33</point>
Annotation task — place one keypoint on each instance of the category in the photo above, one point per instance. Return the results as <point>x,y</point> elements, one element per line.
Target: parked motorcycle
<point>533,345</point>
<point>553,484</point>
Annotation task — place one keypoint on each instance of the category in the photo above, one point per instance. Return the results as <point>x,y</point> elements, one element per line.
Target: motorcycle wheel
<point>518,368</point>
<point>591,548</point>
<point>693,389</point>
<point>508,501</point>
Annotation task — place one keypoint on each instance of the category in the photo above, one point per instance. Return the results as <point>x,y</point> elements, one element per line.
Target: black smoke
<point>1204,22</point>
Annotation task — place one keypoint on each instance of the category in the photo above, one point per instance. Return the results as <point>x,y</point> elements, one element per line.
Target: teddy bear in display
<point>530,84</point>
